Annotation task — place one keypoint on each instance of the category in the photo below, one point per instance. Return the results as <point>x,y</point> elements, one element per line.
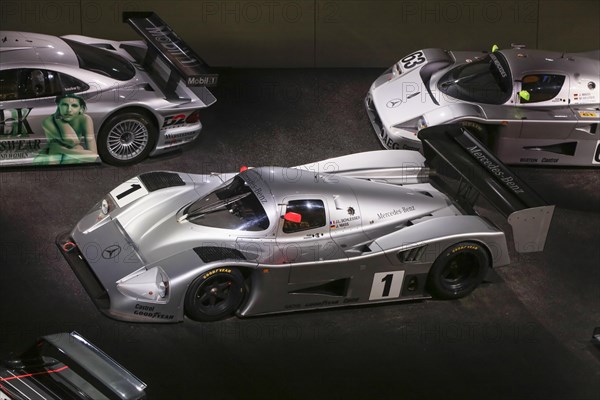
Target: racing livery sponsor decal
<point>386,285</point>
<point>395,211</point>
<point>68,134</point>
<point>174,120</point>
<point>129,191</point>
<point>343,222</point>
<point>588,114</point>
<point>111,251</point>
<point>148,311</point>
<point>498,65</point>
<point>393,103</point>
<point>216,271</point>
<point>322,303</point>
<point>495,169</point>
<point>412,60</point>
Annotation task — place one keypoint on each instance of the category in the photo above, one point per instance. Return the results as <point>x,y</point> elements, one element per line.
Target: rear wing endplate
<point>163,42</point>
<point>464,168</point>
<point>122,383</point>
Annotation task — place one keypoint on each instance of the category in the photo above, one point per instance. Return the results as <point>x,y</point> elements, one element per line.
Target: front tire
<point>215,295</point>
<point>126,138</point>
<point>458,270</point>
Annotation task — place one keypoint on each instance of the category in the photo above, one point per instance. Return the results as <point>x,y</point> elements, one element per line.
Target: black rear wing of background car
<point>464,169</point>
<point>165,44</point>
<point>78,354</point>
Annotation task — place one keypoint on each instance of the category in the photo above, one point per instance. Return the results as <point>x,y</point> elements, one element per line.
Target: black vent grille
<point>160,180</point>
<point>412,255</point>
<point>210,254</point>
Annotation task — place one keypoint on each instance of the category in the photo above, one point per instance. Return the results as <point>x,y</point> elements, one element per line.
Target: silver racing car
<point>366,228</point>
<point>528,106</point>
<point>77,99</point>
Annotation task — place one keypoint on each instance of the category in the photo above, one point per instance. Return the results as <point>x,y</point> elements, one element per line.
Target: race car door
<point>31,114</point>
<point>544,102</point>
<point>303,237</point>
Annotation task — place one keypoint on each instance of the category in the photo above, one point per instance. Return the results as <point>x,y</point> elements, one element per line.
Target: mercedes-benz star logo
<point>111,251</point>
<point>393,103</point>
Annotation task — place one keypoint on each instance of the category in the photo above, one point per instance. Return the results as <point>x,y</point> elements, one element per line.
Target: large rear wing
<point>76,351</point>
<point>164,44</point>
<point>464,169</point>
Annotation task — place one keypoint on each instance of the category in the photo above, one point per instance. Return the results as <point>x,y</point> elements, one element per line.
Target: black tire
<point>126,138</point>
<point>215,295</point>
<point>458,270</point>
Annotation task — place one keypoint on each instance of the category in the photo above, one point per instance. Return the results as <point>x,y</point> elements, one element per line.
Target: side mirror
<point>525,95</point>
<point>293,217</point>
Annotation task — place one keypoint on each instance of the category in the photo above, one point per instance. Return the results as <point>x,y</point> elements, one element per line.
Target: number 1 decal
<point>386,285</point>
<point>128,191</point>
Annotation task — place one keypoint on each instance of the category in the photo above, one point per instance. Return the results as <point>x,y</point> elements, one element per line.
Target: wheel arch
<point>131,108</point>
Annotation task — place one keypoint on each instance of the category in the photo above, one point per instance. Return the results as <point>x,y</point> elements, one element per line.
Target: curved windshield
<point>101,61</point>
<point>486,81</point>
<point>231,206</point>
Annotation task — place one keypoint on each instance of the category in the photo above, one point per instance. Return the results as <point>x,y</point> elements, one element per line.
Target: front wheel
<point>215,295</point>
<point>458,270</point>
<point>126,138</point>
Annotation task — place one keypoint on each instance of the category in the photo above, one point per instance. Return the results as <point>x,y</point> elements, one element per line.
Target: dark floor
<point>525,336</point>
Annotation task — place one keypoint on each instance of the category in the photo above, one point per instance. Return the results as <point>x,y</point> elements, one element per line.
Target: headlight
<point>146,284</point>
<point>104,207</point>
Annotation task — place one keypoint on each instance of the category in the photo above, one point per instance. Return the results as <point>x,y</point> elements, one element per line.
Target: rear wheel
<point>126,138</point>
<point>215,295</point>
<point>458,270</point>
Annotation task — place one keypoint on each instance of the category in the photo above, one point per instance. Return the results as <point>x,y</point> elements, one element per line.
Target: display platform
<point>524,335</point>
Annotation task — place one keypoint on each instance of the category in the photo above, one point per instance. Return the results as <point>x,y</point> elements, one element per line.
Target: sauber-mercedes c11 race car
<point>528,106</point>
<point>366,228</point>
<point>77,99</point>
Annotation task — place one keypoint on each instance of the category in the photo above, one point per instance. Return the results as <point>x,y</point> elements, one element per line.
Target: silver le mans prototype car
<point>77,99</point>
<point>527,106</point>
<point>365,228</point>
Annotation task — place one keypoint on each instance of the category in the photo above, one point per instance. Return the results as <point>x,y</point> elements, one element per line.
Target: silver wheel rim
<point>127,139</point>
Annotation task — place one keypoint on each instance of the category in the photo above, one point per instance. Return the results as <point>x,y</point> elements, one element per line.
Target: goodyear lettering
<point>216,271</point>
<point>464,247</point>
<point>148,311</point>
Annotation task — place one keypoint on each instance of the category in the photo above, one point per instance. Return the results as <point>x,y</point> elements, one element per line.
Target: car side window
<point>541,87</point>
<point>34,83</point>
<point>9,84</point>
<point>311,211</point>
<point>70,84</point>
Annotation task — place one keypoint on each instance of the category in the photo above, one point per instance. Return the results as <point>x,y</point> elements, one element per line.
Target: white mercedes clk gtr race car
<point>367,228</point>
<point>76,99</point>
<point>528,106</point>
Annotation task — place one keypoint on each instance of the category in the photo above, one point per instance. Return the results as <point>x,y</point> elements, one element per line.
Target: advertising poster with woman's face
<point>69,134</point>
<point>37,128</point>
